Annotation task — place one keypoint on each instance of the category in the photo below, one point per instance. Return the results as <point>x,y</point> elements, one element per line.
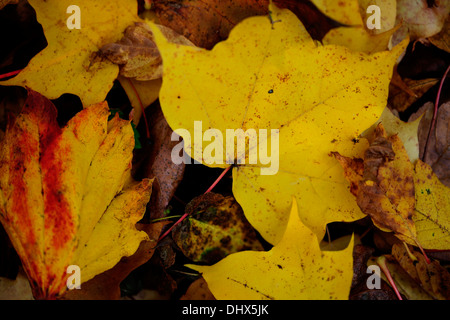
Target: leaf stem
<point>382,263</point>
<point>186,214</point>
<point>9,74</point>
<point>173,226</point>
<point>218,179</point>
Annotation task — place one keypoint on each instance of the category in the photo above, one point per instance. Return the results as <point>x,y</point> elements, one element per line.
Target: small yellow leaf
<point>69,63</point>
<point>295,268</point>
<point>356,35</point>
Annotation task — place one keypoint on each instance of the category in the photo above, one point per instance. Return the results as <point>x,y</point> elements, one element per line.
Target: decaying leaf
<point>273,76</point>
<point>293,269</point>
<point>136,52</point>
<point>67,197</point>
<point>437,146</point>
<point>215,228</point>
<point>198,290</point>
<point>411,202</point>
<point>432,277</point>
<point>205,22</point>
<point>17,289</point>
<point>384,185</point>
<point>158,163</point>
<point>69,64</point>
<point>442,39</point>
<point>407,287</point>
<point>401,100</point>
<point>5,2</point>
<point>406,131</point>
<point>419,20</point>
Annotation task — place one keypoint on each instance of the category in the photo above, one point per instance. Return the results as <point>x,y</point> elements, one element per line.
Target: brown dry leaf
<point>407,287</point>
<point>442,39</point>
<point>5,2</point>
<point>438,150</point>
<point>383,184</point>
<point>136,52</point>
<point>206,23</point>
<point>17,289</point>
<point>198,290</point>
<point>401,98</point>
<point>159,163</point>
<point>432,277</point>
<point>406,131</point>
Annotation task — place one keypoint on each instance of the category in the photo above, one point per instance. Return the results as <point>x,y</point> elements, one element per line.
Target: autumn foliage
<point>349,185</point>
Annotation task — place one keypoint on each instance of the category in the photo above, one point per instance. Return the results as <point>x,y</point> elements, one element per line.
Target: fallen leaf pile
<point>354,175</point>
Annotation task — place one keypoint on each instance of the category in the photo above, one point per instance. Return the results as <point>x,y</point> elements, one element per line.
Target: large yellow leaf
<point>66,195</point>
<point>68,64</point>
<point>273,76</point>
<point>295,268</point>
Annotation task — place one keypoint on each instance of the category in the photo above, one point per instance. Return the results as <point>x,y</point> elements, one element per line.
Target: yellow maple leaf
<point>355,34</point>
<point>269,74</point>
<point>294,269</point>
<point>66,194</point>
<point>68,64</point>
